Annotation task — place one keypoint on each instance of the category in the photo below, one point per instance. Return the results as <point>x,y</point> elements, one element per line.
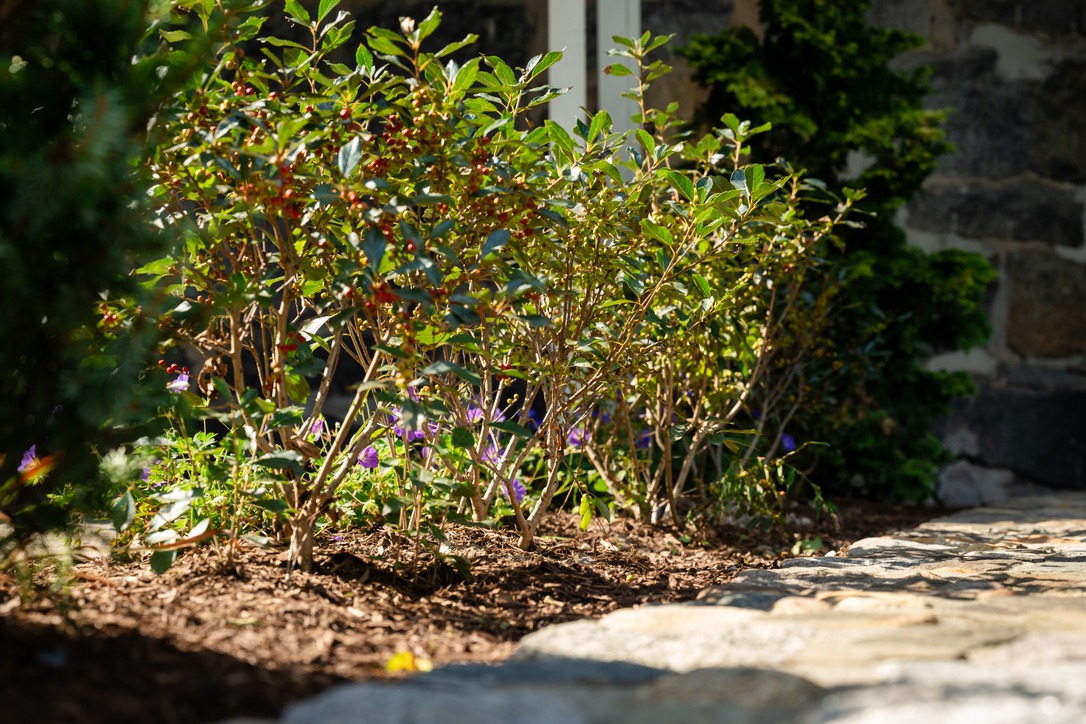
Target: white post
<point>566,32</point>
<point>622,18</point>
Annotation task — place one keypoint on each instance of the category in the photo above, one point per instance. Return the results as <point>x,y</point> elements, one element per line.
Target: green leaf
<point>297,389</point>
<point>172,36</point>
<point>513,429</point>
<point>364,58</point>
<point>326,7</point>
<point>462,438</point>
<point>453,47</point>
<point>559,137</point>
<point>429,24</point>
<point>440,229</point>
<point>293,415</point>
<point>703,285</point>
<point>755,175</point>
<point>412,294</point>
<point>349,156</point>
<point>656,231</point>
<point>617,70</point>
<point>386,46</point>
<point>676,432</point>
<point>248,30</point>
<point>585,509</point>
<point>540,63</point>
<point>272,505</point>
<point>162,560</point>
<point>123,512</point>
<point>281,460</point>
<point>535,320</point>
<point>443,367</point>
<point>374,244</point>
<point>646,141</point>
<point>198,529</point>
<point>465,76</point>
<point>497,239</point>
<point>704,187</point>
<point>739,180</point>
<point>283,43</point>
<point>600,123</point>
<point>295,10</point>
<point>683,183</point>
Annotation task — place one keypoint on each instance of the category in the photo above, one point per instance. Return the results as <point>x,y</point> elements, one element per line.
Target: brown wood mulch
<point>205,642</point>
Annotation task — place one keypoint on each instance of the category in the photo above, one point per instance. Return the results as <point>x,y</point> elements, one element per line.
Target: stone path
<point>978,617</point>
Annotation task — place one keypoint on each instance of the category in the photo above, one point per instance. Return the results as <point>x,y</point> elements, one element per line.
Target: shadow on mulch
<point>50,675</point>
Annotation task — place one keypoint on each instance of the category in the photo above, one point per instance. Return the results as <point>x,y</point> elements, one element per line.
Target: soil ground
<point>205,641</point>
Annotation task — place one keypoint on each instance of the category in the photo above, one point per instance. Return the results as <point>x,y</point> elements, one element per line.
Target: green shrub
<point>824,79</point>
<point>488,286</point>
<point>74,112</point>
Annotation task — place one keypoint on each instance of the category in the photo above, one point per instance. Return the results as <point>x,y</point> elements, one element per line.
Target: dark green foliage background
<point>74,112</point>
<point>823,78</point>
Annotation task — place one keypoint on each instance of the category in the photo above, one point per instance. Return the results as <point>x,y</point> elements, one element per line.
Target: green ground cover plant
<point>524,316</point>
<point>824,78</point>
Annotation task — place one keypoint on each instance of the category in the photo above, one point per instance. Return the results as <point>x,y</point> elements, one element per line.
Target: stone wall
<point>1013,74</point>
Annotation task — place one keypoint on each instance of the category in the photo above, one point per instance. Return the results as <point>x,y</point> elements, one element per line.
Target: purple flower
<point>788,442</point>
<point>180,384</point>
<point>577,436</point>
<point>29,458</point>
<point>408,435</point>
<point>533,420</point>
<point>146,474</point>
<point>476,414</point>
<point>493,454</point>
<point>518,489</point>
<point>317,430</point>
<point>368,458</point>
<point>400,431</point>
<point>644,439</point>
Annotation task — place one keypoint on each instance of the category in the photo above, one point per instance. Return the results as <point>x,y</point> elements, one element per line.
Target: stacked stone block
<point>1013,75</point>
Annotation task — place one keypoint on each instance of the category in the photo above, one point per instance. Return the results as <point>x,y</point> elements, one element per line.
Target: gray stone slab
<point>373,703</point>
<point>676,637</point>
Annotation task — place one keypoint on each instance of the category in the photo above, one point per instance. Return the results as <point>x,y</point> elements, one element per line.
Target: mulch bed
<point>205,642</point>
